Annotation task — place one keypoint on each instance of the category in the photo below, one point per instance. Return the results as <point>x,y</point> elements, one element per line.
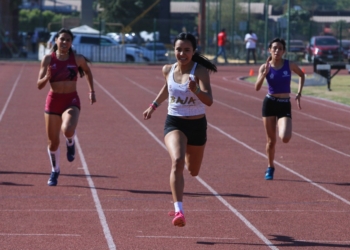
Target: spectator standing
<point>222,39</point>
<point>250,40</point>
<point>196,35</point>
<point>34,41</point>
<point>7,46</point>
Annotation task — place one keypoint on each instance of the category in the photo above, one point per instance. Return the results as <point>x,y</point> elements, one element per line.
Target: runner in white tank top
<point>182,101</point>
<point>188,91</point>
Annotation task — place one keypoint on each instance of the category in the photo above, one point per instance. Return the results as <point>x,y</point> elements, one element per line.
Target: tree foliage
<point>31,19</point>
<point>126,11</point>
<point>14,4</point>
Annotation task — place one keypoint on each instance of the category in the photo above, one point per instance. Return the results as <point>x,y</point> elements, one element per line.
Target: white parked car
<point>152,52</point>
<point>155,52</point>
<point>99,48</point>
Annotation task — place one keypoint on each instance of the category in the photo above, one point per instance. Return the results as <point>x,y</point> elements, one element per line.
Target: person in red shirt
<point>222,38</point>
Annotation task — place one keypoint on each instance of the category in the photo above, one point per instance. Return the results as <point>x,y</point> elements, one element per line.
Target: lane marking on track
<point>295,133</point>
<point>224,201</point>
<point>55,235</point>
<point>240,216</point>
<point>280,164</point>
<point>184,237</point>
<point>344,107</point>
<point>296,110</point>
<point>11,93</point>
<point>263,154</point>
<point>293,211</point>
<point>324,241</point>
<point>97,202</point>
<point>166,210</point>
<point>259,118</point>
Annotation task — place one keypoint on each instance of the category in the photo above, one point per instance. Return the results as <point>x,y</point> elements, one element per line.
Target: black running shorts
<point>279,107</point>
<point>195,130</point>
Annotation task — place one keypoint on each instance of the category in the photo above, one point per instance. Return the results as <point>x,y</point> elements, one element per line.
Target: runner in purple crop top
<point>62,107</point>
<point>276,109</point>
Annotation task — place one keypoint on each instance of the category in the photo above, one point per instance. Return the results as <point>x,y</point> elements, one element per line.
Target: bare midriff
<point>63,87</point>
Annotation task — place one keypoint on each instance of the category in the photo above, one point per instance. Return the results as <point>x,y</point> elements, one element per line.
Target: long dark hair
<point>55,47</point>
<point>278,40</point>
<point>197,57</point>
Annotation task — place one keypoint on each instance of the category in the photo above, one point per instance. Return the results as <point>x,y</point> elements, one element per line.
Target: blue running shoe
<point>53,179</point>
<point>71,152</point>
<point>269,173</point>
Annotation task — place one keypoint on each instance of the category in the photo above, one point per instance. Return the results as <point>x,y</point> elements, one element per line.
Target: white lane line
<point>187,210</point>
<point>323,145</point>
<point>344,107</point>
<point>91,184</point>
<point>11,93</point>
<point>263,154</point>
<point>54,235</point>
<point>248,224</point>
<point>238,214</point>
<point>184,237</point>
<point>337,106</point>
<point>295,111</point>
<point>324,241</point>
<point>295,133</point>
<point>97,202</point>
<point>260,119</point>
<point>280,164</point>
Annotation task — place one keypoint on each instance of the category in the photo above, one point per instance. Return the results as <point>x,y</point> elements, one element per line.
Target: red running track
<point>116,194</point>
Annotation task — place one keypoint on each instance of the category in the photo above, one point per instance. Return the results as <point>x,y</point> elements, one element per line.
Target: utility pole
<point>288,25</point>
<point>164,21</point>
<point>266,25</point>
<point>202,24</point>
<point>233,16</point>
<point>248,26</point>
<point>87,13</point>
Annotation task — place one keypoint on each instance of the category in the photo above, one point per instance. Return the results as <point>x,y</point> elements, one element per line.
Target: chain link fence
<point>236,16</point>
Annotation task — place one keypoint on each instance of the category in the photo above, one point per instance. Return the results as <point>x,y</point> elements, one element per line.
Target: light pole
<point>248,25</point>
<point>266,24</point>
<point>288,25</point>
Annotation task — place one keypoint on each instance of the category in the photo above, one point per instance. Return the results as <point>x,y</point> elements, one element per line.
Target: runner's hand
<point>147,113</point>
<point>297,98</point>
<point>92,97</point>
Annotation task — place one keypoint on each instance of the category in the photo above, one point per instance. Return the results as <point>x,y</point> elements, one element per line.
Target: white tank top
<point>182,102</point>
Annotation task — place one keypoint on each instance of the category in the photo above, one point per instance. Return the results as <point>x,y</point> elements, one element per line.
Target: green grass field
<point>340,85</point>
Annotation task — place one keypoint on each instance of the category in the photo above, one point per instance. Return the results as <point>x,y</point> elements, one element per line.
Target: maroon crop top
<point>63,70</point>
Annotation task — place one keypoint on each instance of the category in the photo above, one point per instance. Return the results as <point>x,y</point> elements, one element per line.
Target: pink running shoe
<point>179,219</point>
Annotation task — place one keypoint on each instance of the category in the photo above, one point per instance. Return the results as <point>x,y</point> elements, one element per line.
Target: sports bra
<point>63,70</point>
<point>182,102</point>
<point>278,81</point>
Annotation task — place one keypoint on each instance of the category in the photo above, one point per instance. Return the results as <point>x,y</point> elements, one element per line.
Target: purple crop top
<point>278,81</point>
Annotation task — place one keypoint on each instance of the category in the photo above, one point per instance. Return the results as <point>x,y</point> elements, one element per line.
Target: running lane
<point>116,194</point>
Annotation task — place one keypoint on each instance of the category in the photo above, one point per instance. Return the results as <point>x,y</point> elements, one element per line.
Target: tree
<point>31,19</point>
<point>125,11</point>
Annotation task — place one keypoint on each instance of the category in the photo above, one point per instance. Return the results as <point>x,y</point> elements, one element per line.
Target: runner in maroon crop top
<point>276,110</point>
<point>62,106</point>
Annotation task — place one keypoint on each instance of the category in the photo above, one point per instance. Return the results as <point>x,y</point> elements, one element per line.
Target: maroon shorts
<point>57,103</point>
